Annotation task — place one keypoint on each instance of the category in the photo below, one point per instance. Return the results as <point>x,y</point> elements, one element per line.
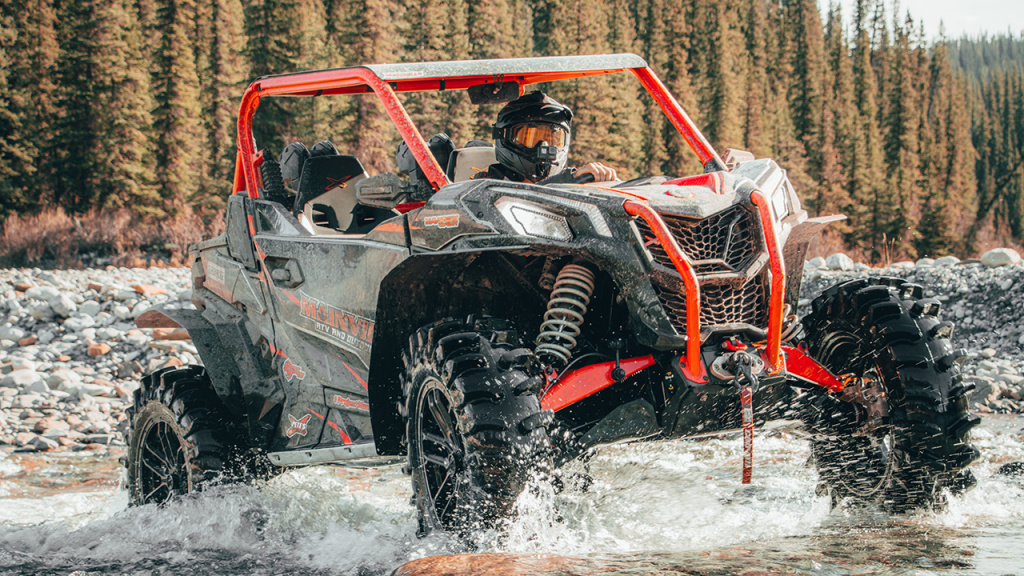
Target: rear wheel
<point>181,439</point>
<point>899,432</point>
<point>474,426</point>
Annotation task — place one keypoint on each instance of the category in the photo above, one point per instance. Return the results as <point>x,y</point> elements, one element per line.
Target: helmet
<point>531,136</point>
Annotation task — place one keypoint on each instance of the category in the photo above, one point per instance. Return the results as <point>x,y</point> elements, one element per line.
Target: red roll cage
<point>387,79</point>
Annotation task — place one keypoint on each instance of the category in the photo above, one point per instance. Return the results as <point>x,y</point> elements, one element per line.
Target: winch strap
<point>746,401</point>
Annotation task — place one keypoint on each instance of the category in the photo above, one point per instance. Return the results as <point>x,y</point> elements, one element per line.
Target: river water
<point>657,508</point>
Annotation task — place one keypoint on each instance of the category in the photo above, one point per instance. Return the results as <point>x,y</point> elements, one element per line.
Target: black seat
<point>339,211</point>
<point>320,174</point>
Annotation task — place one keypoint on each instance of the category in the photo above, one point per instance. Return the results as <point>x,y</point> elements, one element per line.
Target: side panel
<point>325,292</point>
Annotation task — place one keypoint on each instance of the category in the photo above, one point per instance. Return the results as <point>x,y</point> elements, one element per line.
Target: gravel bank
<point>71,356</point>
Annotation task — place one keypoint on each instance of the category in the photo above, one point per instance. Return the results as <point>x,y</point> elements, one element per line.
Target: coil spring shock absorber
<point>569,299</point>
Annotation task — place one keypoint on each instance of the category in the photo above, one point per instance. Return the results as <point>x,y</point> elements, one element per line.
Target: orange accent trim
<point>589,380</point>
<point>344,437</point>
<point>799,364</point>
<point>778,295</point>
<point>711,180</point>
<point>685,268</point>
<point>617,191</point>
<point>390,227</point>
<point>358,377</point>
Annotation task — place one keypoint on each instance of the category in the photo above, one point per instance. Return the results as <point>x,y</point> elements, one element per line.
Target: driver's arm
<point>601,172</point>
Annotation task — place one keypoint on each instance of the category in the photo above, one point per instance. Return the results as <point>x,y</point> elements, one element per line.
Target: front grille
<point>722,242</point>
<point>719,247</point>
<point>721,303</point>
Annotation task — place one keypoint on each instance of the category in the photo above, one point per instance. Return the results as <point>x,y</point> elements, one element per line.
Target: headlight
<point>532,219</point>
<point>779,204</point>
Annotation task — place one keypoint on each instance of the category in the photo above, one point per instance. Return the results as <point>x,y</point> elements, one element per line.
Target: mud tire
<point>181,439</point>
<point>475,431</point>
<point>886,330</point>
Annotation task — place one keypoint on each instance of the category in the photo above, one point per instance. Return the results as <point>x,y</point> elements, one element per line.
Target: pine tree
<point>901,139</point>
<point>758,92</point>
<point>364,35</point>
<point>15,163</point>
<point>439,34</point>
<point>808,67</point>
<point>866,185</point>
<point>177,112</point>
<point>272,48</point>
<point>937,236</point>
<point>837,122</point>
<point>716,55</point>
<point>102,149</point>
<point>126,153</point>
<point>31,48</point>
<point>672,55</point>
<point>492,29</point>
<point>224,81</point>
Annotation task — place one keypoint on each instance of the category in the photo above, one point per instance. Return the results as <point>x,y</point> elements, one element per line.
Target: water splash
<point>654,507</point>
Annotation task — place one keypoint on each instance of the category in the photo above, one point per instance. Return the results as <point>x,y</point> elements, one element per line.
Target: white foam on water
<point>672,496</point>
<point>647,502</point>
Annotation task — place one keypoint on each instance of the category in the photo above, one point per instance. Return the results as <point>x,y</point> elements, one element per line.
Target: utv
<point>484,331</point>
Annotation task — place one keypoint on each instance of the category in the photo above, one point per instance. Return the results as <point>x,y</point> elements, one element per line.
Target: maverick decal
<point>340,326</point>
<point>442,221</point>
<point>298,425</point>
<point>291,370</point>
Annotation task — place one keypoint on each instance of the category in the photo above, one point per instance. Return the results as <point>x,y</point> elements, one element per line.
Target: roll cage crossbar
<point>385,80</point>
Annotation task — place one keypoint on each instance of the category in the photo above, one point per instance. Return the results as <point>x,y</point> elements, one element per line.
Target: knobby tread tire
<point>214,449</point>
<point>887,328</point>
<point>491,386</point>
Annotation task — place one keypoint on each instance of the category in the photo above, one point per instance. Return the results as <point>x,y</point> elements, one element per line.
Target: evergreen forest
<point>131,104</point>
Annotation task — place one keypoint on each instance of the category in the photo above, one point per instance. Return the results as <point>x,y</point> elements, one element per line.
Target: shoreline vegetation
<point>123,114</point>
<point>102,237</point>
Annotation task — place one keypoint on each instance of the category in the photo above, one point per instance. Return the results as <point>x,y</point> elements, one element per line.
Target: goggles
<point>531,134</point>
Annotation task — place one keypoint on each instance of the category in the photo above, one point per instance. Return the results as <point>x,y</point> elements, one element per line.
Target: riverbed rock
<point>97,349</point>
<point>79,322</point>
<point>42,293</point>
<point>12,333</point>
<point>1000,257</point>
<point>839,261</point>
<point>63,305</point>
<point>19,379</point>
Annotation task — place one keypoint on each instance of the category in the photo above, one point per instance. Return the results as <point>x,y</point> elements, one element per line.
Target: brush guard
<point>693,368</point>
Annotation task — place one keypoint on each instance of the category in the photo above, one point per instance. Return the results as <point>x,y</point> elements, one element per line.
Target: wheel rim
<point>441,465</point>
<point>868,474</point>
<point>161,468</point>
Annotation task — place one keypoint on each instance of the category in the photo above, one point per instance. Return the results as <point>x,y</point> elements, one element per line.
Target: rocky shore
<point>71,355</point>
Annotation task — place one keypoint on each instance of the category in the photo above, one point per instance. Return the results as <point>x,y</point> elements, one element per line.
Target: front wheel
<point>898,434</point>
<point>474,426</point>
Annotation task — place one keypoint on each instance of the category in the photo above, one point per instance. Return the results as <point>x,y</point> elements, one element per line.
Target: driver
<point>531,143</point>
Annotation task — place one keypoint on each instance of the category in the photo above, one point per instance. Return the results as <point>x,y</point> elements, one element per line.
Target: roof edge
<point>505,66</point>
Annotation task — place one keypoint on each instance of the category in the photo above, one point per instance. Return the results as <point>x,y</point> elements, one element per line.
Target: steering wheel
<point>584,179</point>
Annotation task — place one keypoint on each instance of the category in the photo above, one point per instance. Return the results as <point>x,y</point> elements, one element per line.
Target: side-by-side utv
<point>485,330</point>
